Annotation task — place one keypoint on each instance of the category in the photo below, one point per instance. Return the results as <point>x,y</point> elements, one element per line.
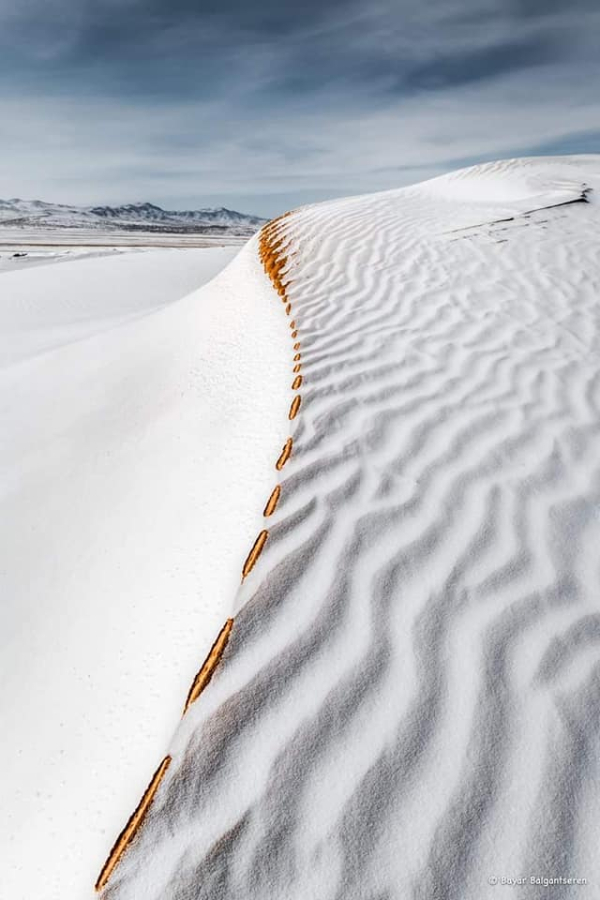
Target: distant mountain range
<point>36,214</point>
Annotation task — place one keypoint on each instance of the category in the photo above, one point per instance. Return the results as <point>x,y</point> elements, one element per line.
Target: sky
<point>262,106</point>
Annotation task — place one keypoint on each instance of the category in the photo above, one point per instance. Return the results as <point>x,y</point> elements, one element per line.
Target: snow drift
<point>408,703</point>
<point>137,425</point>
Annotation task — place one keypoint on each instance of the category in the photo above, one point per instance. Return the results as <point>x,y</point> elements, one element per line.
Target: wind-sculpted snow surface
<point>408,705</point>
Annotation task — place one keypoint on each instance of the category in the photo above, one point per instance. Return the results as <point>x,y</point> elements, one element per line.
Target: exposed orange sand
<point>209,665</point>
<point>132,826</point>
<point>257,549</point>
<point>295,407</point>
<point>272,501</point>
<point>273,250</point>
<point>285,454</point>
<point>273,245</point>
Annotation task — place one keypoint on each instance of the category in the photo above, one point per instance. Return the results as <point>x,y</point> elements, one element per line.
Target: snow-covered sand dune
<point>408,703</point>
<point>137,426</point>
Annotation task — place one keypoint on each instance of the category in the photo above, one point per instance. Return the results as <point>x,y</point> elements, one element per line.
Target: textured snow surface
<point>137,434</point>
<point>409,703</point>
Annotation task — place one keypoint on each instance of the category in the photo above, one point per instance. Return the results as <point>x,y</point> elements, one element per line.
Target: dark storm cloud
<point>199,48</point>
<point>277,90</point>
<point>479,64</point>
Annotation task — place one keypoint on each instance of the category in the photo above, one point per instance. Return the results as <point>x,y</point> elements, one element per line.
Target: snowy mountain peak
<point>140,216</point>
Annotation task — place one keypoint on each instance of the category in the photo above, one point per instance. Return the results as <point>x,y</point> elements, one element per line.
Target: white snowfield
<point>137,431</point>
<point>22,256</point>
<point>408,706</point>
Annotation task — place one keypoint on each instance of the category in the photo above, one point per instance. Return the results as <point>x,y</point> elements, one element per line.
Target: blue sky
<point>263,106</point>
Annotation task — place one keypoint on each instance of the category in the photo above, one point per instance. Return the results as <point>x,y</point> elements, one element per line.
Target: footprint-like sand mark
<point>407,705</point>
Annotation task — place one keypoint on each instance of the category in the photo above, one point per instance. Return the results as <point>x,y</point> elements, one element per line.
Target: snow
<point>138,423</point>
<point>15,258</point>
<point>39,214</point>
<point>408,705</point>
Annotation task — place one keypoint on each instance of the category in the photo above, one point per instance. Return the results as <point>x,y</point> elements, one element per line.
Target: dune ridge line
<point>409,704</point>
<point>132,825</point>
<point>271,246</point>
<point>211,662</point>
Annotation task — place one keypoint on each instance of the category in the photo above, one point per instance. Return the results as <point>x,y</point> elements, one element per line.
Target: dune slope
<point>137,426</point>
<point>408,703</point>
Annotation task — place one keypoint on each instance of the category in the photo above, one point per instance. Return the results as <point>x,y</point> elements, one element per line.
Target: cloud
<point>191,102</point>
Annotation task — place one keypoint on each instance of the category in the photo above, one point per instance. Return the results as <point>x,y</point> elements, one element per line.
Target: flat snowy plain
<point>19,256</point>
<point>137,429</point>
<point>408,706</point>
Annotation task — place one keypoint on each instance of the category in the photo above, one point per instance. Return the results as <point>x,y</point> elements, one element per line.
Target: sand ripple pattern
<point>409,702</point>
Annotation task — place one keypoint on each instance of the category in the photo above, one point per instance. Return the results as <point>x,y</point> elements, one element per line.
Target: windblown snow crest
<point>408,703</point>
